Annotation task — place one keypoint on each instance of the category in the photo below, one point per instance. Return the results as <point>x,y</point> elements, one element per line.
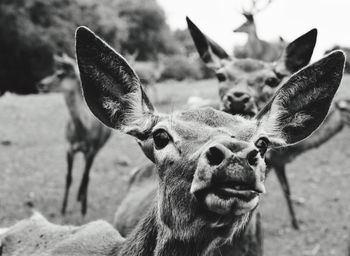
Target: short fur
<point>191,214</point>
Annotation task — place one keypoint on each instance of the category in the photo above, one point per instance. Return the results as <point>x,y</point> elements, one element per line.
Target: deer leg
<point>70,159</point>
<point>82,195</point>
<point>282,177</point>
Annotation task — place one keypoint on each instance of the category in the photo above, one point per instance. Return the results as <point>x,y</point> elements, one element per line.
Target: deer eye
<point>221,77</point>
<point>262,144</point>
<point>272,81</point>
<point>161,138</point>
<point>60,74</point>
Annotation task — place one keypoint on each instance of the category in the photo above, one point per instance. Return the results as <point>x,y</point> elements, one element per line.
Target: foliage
<point>179,67</point>
<point>32,30</point>
<point>149,33</point>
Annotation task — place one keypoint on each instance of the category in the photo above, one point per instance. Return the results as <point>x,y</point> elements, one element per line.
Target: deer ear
<point>302,103</point>
<point>298,53</point>
<point>111,88</point>
<point>209,51</point>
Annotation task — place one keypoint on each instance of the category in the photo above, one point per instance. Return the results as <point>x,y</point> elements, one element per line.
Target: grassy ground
<point>33,168</point>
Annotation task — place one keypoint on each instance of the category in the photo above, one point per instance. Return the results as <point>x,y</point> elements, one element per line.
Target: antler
<point>254,7</point>
<point>63,59</point>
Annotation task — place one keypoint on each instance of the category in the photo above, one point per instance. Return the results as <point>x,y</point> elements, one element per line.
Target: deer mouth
<point>224,199</point>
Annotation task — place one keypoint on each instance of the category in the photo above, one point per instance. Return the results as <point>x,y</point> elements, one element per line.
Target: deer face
<point>246,85</point>
<point>210,164</point>
<point>248,26</point>
<point>65,78</point>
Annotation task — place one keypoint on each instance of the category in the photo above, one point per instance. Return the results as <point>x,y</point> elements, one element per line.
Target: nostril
<point>246,99</point>
<point>252,157</point>
<point>215,156</point>
<point>230,98</point>
<point>238,94</point>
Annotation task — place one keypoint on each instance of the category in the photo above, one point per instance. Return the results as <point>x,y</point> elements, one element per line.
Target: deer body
<point>210,165</point>
<point>256,48</point>
<point>84,133</point>
<point>259,49</point>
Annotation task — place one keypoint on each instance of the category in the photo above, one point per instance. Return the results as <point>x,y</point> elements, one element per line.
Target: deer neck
<point>75,104</point>
<point>253,36</point>
<point>254,44</point>
<point>151,237</point>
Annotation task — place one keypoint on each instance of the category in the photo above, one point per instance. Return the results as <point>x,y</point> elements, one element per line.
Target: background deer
<point>84,133</point>
<point>256,48</point>
<point>240,94</point>
<point>210,164</point>
<point>149,72</point>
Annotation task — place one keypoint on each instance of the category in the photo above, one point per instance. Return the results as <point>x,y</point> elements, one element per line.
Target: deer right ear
<point>298,53</point>
<point>209,51</point>
<point>302,103</point>
<point>111,88</point>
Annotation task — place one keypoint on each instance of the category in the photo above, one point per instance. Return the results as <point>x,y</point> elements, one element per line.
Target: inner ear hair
<point>302,103</point>
<point>210,52</point>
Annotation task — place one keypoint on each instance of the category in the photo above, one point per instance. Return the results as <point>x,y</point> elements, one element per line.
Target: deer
<point>347,53</point>
<point>256,48</point>
<point>149,72</point>
<point>238,80</point>
<point>84,133</point>
<point>209,164</point>
<point>238,94</point>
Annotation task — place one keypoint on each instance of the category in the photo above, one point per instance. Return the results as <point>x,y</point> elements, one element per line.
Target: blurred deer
<point>209,164</point>
<point>84,133</point>
<point>256,48</point>
<point>149,72</point>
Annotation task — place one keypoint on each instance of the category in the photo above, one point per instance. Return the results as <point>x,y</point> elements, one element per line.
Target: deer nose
<point>229,166</point>
<point>215,155</point>
<point>239,97</point>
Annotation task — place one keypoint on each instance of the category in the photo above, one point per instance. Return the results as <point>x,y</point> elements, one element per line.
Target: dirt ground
<point>33,169</point>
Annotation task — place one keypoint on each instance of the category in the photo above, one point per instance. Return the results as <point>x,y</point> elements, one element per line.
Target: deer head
<point>210,164</point>
<point>245,85</point>
<point>65,77</point>
<point>249,25</point>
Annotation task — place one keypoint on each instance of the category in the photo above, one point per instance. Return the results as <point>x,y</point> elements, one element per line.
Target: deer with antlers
<point>256,48</point>
<point>210,164</point>
<point>84,133</point>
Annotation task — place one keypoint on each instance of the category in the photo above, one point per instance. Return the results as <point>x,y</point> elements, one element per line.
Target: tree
<point>149,33</point>
<point>32,31</point>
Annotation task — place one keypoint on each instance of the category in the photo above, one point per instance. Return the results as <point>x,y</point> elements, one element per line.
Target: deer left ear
<point>298,53</point>
<point>209,51</point>
<point>111,88</point>
<point>302,103</point>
